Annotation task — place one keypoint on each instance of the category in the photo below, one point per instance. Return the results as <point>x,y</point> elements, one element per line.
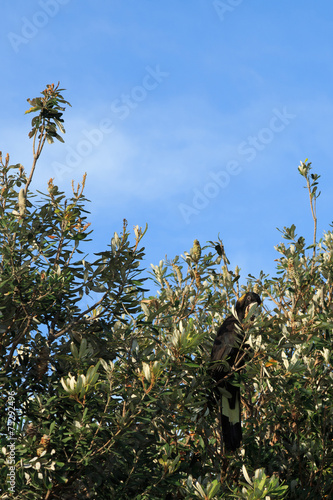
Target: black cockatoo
<point>227,348</point>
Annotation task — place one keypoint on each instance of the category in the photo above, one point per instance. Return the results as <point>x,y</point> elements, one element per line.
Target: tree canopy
<point>110,400</point>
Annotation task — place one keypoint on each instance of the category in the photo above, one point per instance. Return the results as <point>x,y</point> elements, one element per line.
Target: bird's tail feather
<point>231,418</point>
<point>232,433</point>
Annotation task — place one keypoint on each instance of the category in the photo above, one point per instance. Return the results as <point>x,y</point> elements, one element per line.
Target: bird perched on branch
<point>227,357</point>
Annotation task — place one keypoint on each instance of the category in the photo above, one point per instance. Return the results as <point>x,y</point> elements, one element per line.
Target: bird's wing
<point>226,347</point>
<point>227,339</point>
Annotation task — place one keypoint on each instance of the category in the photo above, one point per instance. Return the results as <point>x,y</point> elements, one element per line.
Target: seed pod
<point>196,251</point>
<point>197,279</point>
<point>43,444</point>
<point>178,273</point>
<point>42,362</point>
<point>31,430</point>
<point>22,201</point>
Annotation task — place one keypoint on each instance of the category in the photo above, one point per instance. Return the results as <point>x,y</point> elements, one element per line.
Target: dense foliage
<point>105,390</point>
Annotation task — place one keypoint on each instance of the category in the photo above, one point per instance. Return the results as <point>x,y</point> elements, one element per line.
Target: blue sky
<point>191,116</point>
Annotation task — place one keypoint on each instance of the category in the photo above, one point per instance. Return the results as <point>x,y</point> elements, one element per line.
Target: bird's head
<point>245,302</point>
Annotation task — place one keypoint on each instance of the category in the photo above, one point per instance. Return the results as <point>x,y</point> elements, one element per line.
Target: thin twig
<point>314,215</point>
<point>84,313</point>
<point>36,155</point>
